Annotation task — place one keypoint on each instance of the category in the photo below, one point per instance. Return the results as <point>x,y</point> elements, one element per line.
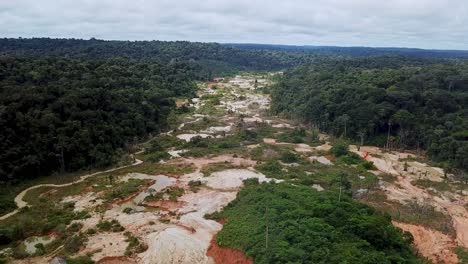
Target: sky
<point>434,24</point>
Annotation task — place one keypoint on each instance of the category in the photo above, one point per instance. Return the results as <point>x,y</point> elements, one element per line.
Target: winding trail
<point>20,203</point>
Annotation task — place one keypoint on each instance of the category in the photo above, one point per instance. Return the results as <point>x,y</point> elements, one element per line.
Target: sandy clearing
<point>174,245</point>
<point>431,243</point>
<point>83,201</point>
<point>321,159</point>
<point>403,191</point>
<point>232,179</point>
<point>188,137</point>
<point>105,244</point>
<point>201,162</point>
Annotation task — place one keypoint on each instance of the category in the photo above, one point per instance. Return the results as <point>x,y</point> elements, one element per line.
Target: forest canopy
<point>69,114</point>
<point>420,106</point>
<point>285,223</point>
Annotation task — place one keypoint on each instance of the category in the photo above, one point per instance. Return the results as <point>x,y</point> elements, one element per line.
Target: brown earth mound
<point>223,255</point>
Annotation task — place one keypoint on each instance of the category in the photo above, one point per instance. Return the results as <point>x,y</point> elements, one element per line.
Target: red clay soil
<point>222,220</point>
<point>116,260</point>
<point>223,255</point>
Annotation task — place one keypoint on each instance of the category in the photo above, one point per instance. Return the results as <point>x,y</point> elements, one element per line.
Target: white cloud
<point>411,23</point>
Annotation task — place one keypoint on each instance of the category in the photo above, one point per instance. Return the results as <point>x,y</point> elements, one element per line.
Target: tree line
<point>419,106</point>
<point>62,114</point>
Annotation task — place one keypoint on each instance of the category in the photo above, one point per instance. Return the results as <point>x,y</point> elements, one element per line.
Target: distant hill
<point>357,51</point>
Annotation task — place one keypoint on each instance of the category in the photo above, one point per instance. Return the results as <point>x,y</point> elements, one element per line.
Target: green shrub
<point>289,157</point>
<point>284,223</point>
<point>271,168</point>
<point>293,136</point>
<point>462,254</point>
<point>339,149</point>
<point>158,156</point>
<point>194,185</point>
<point>73,244</point>
<point>134,244</point>
<point>112,225</point>
<point>75,227</point>
<point>40,249</point>
<point>125,189</point>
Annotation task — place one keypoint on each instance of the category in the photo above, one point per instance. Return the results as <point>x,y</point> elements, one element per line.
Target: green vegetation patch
<point>124,189</point>
<point>462,254</point>
<point>282,223</point>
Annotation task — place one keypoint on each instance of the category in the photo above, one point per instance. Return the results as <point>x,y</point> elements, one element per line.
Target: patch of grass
<point>158,156</point>
<point>440,186</point>
<point>194,186</point>
<point>39,220</point>
<point>124,189</point>
<point>289,157</point>
<point>173,193</point>
<point>462,254</point>
<point>199,147</point>
<point>134,246</point>
<point>163,143</point>
<point>413,213</point>
<point>112,225</point>
<point>296,135</point>
<point>215,167</point>
<point>74,244</point>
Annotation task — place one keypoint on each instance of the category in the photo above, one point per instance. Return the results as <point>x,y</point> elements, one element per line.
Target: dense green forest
<point>358,51</point>
<point>214,58</point>
<point>284,223</point>
<point>398,105</point>
<point>68,114</point>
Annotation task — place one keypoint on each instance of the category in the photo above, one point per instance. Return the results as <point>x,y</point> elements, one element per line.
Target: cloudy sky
<point>439,24</point>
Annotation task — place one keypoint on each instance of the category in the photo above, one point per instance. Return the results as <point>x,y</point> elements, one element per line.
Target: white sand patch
<point>303,148</point>
<point>105,244</point>
<point>321,159</point>
<point>217,129</point>
<point>176,153</point>
<point>269,140</point>
<point>88,223</point>
<point>30,243</point>
<point>188,137</point>
<point>206,201</point>
<point>175,245</point>
<point>83,201</point>
<point>324,147</point>
<point>318,187</point>
<point>232,179</point>
<point>283,125</point>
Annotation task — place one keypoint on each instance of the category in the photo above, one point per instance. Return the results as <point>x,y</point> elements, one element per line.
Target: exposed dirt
<point>201,162</point>
<point>432,244</point>
<point>116,260</point>
<point>403,191</point>
<point>223,255</point>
